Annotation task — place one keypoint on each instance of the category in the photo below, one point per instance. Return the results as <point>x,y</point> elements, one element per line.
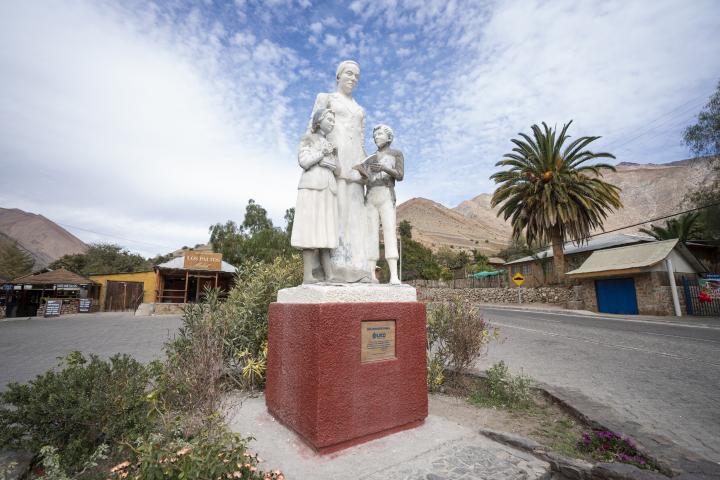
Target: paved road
<point>661,375</point>
<point>30,347</point>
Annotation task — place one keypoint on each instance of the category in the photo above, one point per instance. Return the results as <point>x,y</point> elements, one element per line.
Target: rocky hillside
<point>648,191</point>
<point>45,240</point>
<point>435,226</point>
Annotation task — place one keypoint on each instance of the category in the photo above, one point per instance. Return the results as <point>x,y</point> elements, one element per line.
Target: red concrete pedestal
<point>318,386</point>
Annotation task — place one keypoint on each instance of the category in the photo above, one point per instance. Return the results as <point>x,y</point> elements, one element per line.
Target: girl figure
<point>315,229</point>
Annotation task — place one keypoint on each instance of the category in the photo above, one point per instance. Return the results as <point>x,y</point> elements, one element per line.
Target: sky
<point>142,123</point>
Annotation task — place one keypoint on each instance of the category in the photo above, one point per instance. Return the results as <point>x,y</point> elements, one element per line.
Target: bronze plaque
<point>377,340</point>
<point>203,261</point>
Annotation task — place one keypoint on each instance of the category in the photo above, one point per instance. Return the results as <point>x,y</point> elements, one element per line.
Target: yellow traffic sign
<point>518,279</point>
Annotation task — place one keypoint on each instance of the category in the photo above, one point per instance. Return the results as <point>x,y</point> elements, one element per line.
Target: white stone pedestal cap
<point>347,293</point>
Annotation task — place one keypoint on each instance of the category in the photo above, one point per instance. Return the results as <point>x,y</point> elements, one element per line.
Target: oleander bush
<point>84,404</point>
<point>212,454</point>
<point>246,316</point>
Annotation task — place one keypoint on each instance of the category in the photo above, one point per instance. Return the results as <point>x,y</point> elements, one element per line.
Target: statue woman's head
<point>347,76</point>
<point>323,119</point>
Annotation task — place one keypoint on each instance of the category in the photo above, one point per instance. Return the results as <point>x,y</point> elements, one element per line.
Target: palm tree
<point>684,227</point>
<point>550,193</point>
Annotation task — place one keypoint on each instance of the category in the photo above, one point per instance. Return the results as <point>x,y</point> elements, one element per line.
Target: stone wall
<point>559,295</point>
<point>2,311</point>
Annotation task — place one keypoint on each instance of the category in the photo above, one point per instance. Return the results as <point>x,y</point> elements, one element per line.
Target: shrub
<point>246,315</point>
<point>505,389</point>
<point>609,446</point>
<point>78,408</point>
<point>192,378</point>
<point>210,455</point>
<point>457,335</point>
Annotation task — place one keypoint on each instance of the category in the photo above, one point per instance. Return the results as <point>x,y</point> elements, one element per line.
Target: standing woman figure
<point>315,228</point>
<point>350,257</point>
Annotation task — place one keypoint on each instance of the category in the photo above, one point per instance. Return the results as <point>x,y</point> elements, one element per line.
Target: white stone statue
<point>350,257</point>
<point>315,229</point>
<point>382,170</point>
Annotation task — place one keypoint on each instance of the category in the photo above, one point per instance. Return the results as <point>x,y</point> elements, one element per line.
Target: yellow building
<point>125,291</point>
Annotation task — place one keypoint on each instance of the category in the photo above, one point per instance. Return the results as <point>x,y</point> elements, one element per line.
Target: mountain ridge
<point>647,191</point>
<point>45,240</point>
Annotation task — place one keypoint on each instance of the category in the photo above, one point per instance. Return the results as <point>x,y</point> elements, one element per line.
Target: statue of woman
<point>315,228</point>
<point>350,257</point>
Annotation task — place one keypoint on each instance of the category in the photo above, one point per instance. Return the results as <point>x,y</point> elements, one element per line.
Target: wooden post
<point>216,279</point>
<point>158,286</point>
<point>187,279</point>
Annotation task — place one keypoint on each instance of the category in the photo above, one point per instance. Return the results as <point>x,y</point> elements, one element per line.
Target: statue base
<point>346,363</point>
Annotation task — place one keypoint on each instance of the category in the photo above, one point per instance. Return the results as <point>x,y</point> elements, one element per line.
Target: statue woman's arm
<point>309,153</point>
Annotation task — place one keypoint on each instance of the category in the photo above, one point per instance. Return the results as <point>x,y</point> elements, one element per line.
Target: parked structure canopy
<point>633,259</point>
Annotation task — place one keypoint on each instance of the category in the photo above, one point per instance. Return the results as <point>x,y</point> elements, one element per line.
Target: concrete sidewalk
<point>709,322</point>
<point>441,448</point>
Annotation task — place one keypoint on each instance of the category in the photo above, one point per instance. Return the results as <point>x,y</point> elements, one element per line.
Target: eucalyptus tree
<point>551,192</point>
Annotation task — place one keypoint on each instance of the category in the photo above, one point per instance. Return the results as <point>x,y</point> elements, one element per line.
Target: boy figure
<point>382,170</point>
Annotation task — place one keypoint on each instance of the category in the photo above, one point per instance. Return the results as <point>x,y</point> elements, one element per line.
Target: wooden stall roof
<point>59,276</point>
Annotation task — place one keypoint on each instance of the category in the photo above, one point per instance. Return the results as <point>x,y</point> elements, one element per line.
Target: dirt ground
<point>544,421</point>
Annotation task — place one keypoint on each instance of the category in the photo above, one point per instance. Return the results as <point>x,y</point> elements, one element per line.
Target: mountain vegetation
<point>106,258</point>
<point>14,261</point>
<point>550,193</point>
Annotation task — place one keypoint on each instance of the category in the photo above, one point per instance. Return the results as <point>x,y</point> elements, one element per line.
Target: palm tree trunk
<point>558,256</point>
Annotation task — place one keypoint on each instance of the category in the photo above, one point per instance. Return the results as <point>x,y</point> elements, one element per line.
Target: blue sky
<point>145,122</point>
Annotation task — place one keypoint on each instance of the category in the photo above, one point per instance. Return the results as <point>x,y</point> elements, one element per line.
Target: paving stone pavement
<point>440,449</point>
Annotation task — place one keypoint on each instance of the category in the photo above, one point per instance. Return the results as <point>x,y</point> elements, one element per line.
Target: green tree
<point>102,258</point>
<point>256,239</point>
<point>418,261</point>
<point>684,227</point>
<point>517,248</point>
<point>14,261</point>
<point>703,138</point>
<point>550,193</point>
<point>405,229</point>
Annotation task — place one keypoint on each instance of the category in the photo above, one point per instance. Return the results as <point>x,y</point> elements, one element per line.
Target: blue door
<point>616,295</point>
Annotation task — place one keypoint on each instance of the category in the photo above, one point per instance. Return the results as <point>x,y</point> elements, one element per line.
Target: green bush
<point>209,455</point>
<point>78,408</point>
<point>505,389</point>
<point>457,335</point>
<point>246,315</point>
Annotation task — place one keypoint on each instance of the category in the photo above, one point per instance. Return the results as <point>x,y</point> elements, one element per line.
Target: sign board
<point>52,308</point>
<point>203,261</point>
<point>518,278</point>
<point>377,339</point>
<point>84,306</point>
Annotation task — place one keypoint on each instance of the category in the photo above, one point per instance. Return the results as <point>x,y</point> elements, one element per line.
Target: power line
<point>113,236</point>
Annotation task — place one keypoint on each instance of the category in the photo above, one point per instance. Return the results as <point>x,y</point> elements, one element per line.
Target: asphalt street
<point>29,347</point>
<point>664,376</point>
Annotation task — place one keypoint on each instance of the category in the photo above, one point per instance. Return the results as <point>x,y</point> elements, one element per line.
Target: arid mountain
<point>648,191</point>
<point>435,226</point>
<point>45,240</point>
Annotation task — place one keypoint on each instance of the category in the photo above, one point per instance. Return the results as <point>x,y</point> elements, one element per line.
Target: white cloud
<point>103,125</point>
<point>316,27</point>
